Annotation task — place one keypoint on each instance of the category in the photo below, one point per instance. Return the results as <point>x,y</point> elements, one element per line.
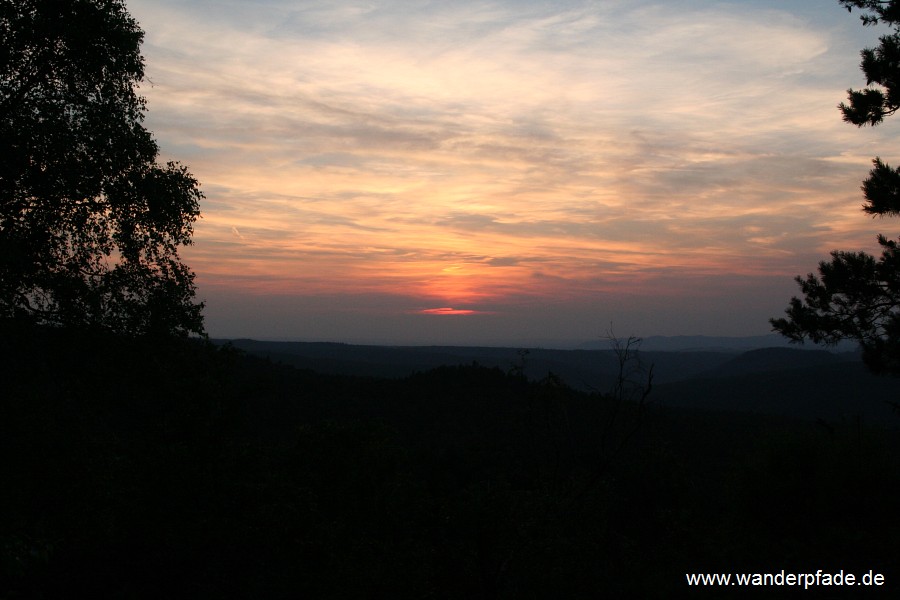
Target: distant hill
<point>828,387</point>
<point>833,391</point>
<point>779,359</point>
<point>811,384</point>
<point>680,343</point>
<point>582,369</point>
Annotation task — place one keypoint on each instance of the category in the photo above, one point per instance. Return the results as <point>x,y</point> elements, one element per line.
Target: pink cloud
<point>449,311</point>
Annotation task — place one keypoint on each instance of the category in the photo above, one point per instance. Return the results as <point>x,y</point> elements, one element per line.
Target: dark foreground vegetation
<point>139,469</point>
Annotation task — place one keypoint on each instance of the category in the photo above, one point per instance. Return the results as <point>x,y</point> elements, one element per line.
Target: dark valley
<point>176,468</point>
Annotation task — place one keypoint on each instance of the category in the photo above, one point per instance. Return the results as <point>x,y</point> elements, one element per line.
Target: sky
<point>510,172</point>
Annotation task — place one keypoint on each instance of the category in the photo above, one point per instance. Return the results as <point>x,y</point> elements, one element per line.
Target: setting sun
<point>612,161</point>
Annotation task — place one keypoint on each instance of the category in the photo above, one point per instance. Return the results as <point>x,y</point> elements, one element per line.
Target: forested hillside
<point>178,469</point>
<point>811,384</point>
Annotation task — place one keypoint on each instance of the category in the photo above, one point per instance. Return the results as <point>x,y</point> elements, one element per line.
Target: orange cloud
<point>501,154</point>
<point>449,311</point>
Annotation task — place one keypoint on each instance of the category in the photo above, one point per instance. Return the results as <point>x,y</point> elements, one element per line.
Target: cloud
<point>475,151</point>
<point>449,311</point>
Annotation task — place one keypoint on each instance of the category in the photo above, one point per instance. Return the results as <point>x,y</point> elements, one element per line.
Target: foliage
<point>236,478</point>
<point>856,296</point>
<point>880,65</point>
<point>90,223</point>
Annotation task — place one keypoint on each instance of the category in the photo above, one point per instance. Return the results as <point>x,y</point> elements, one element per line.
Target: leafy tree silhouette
<point>856,296</point>
<point>90,223</point>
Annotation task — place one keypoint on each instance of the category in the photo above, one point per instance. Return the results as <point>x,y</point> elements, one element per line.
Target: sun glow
<point>449,311</point>
<point>445,162</point>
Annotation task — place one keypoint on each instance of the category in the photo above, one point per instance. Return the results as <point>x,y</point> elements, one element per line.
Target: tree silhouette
<point>856,296</point>
<point>90,223</point>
